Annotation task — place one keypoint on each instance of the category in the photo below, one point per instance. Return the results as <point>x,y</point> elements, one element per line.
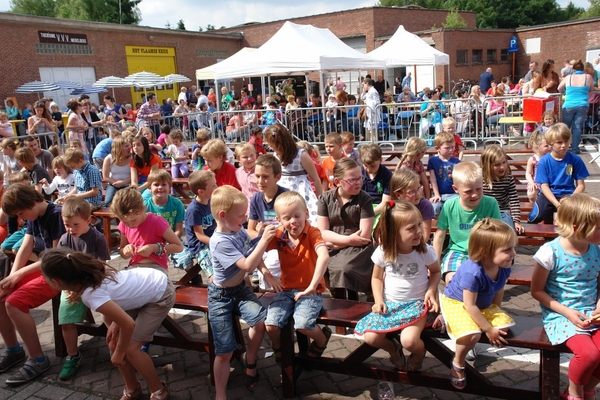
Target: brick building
<point>39,48</point>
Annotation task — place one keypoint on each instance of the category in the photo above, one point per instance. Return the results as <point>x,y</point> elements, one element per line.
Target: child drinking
<point>297,167</point>
<point>64,180</point>
<point>346,220</point>
<point>540,148</point>
<point>402,289</point>
<point>500,184</point>
<point>179,152</point>
<point>202,137</point>
<point>146,291</point>
<point>569,299</point>
<point>471,301</point>
<point>406,185</point>
<point>411,159</point>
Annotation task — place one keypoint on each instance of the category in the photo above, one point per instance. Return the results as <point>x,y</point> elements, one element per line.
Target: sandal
<point>410,366</point>
<point>458,383</point>
<point>132,394</point>
<point>316,351</point>
<point>160,394</point>
<point>568,396</point>
<point>400,362</point>
<point>590,393</point>
<point>250,381</point>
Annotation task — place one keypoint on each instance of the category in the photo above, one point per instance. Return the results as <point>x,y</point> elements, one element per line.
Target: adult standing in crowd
<point>548,80</point>
<point>568,68</point>
<point>371,98</point>
<point>111,108</point>
<point>182,95</point>
<point>12,111</point>
<point>212,96</point>
<point>533,67</point>
<point>225,99</point>
<point>201,98</point>
<point>93,121</point>
<point>485,80</point>
<point>149,115</point>
<point>380,85</point>
<point>407,81</point>
<point>577,87</point>
<point>397,85</point>
<point>41,122</point>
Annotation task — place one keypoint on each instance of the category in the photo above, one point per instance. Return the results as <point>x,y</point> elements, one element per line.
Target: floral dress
<point>294,177</point>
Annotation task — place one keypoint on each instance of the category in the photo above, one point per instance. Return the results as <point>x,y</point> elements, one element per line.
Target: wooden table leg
<point>550,374</point>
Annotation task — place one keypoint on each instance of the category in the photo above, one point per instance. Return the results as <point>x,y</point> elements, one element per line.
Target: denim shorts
<point>305,311</point>
<point>223,302</point>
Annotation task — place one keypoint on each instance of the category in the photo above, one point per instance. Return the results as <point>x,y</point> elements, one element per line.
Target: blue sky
<point>194,14</point>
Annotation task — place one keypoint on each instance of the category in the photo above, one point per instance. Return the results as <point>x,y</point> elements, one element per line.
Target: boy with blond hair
<point>333,147</point>
<point>304,258</point>
<point>460,214</point>
<point>440,169</point>
<point>37,174</point>
<point>559,174</point>
<point>234,255</point>
<point>245,153</point>
<point>199,221</point>
<point>348,146</point>
<point>215,155</point>
<point>449,125</point>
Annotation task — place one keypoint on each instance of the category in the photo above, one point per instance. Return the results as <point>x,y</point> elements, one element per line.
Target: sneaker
<point>70,367</point>
<point>471,355</point>
<point>29,371</point>
<point>8,358</point>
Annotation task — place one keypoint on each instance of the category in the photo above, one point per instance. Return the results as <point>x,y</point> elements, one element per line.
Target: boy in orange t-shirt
<point>333,147</point>
<point>303,257</point>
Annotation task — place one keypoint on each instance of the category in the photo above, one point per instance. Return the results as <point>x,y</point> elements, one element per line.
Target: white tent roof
<point>405,48</point>
<point>239,58</point>
<point>300,49</point>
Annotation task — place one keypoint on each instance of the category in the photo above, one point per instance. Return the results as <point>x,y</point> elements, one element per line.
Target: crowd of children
<point>344,223</point>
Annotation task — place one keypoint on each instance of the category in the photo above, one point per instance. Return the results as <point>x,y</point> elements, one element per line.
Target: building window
<point>504,55</point>
<point>461,57</point>
<point>533,45</point>
<point>477,56</point>
<point>52,48</point>
<point>491,56</point>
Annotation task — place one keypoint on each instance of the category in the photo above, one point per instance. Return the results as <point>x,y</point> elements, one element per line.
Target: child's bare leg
<point>381,341</point>
<point>140,361</point>
<point>221,371</point>
<point>410,337</point>
<point>463,345</point>
<point>7,329</point>
<point>255,337</point>
<point>449,276</point>
<point>69,332</point>
<point>25,325</point>
<point>590,388</point>
<point>316,335</point>
<point>274,333</point>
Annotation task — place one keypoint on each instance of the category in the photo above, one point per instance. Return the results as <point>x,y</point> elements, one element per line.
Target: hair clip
<point>391,203</point>
<point>69,256</point>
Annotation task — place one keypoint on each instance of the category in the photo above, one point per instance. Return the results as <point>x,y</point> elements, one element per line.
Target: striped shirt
<point>505,193</point>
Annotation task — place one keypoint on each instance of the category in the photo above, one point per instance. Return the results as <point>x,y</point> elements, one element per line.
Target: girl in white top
<point>6,129</point>
<point>402,289</point>
<point>63,181</point>
<point>147,292</point>
<point>115,169</point>
<point>10,165</point>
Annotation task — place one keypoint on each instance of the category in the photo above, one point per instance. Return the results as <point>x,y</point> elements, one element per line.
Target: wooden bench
<point>107,215</point>
<point>527,333</point>
<point>534,235</point>
<point>521,275</point>
<point>181,186</point>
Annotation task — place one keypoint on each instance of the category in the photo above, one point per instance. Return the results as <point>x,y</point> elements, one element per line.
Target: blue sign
<point>512,48</point>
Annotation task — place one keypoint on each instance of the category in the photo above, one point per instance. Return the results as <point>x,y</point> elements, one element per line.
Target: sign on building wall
<point>60,37</point>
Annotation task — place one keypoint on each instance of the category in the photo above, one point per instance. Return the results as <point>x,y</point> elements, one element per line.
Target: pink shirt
<point>150,231</point>
<point>247,181</point>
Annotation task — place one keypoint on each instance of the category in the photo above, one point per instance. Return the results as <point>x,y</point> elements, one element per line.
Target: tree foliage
<point>454,20</point>
<point>85,10</point>
<point>507,14</point>
<point>593,11</point>
<point>180,25</point>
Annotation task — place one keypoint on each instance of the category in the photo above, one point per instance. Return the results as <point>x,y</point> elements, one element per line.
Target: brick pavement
<point>187,371</point>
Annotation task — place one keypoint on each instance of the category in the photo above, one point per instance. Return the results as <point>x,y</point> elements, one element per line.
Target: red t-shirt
<point>226,176</point>
<point>457,142</point>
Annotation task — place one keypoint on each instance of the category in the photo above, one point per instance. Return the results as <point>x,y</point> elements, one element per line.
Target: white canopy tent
<point>297,49</point>
<point>240,58</point>
<point>407,49</point>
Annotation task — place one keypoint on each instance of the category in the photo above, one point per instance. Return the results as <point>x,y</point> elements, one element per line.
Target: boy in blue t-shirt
<point>376,177</point>
<point>267,170</point>
<point>559,173</point>
<point>234,254</point>
<point>199,221</point>
<point>440,169</point>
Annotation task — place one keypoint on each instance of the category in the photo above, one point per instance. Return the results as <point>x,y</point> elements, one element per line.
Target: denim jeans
<point>574,118</point>
<point>110,193</point>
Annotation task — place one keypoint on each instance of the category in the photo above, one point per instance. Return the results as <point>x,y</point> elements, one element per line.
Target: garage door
<point>81,75</point>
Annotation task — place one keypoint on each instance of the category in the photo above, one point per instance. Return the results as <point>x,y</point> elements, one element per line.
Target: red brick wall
<point>20,33</point>
<point>558,42</point>
<point>371,22</point>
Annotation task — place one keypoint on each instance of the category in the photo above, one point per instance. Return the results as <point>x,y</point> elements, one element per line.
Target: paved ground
<point>187,371</point>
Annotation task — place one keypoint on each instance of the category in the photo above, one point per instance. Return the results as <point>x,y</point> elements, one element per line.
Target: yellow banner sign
<point>150,51</point>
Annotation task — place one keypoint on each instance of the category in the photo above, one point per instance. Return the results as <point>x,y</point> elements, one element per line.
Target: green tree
<point>168,25</point>
<point>592,11</point>
<point>200,29</point>
<point>454,20</point>
<point>210,27</point>
<point>85,10</point>
<point>181,25</point>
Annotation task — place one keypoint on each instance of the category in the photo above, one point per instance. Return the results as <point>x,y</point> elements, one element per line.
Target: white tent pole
<point>218,93</point>
<point>325,125</point>
<point>269,84</point>
<point>307,91</point>
<point>262,85</point>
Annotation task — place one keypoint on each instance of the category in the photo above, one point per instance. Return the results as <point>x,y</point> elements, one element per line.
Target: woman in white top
<point>371,98</point>
<point>115,169</point>
<point>76,125</point>
<point>38,123</point>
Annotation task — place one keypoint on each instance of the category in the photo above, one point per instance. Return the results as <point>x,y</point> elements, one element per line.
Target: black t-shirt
<point>46,228</point>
